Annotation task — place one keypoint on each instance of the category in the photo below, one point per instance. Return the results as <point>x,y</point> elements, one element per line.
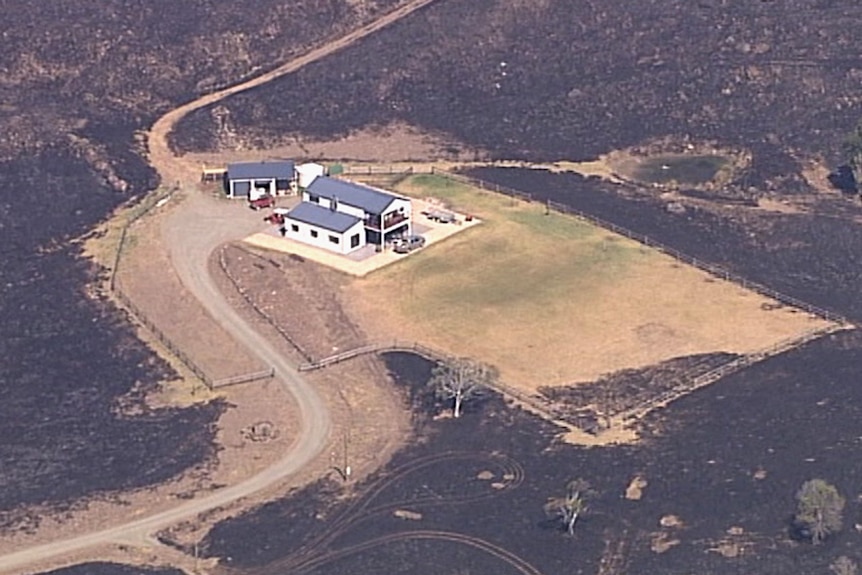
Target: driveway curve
<point>191,240</point>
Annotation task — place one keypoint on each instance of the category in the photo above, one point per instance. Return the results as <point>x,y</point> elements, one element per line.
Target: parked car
<point>441,216</point>
<point>262,202</point>
<point>408,244</point>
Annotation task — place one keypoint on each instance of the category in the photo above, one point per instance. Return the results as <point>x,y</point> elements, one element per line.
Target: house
<point>384,215</point>
<point>255,179</point>
<point>343,216</point>
<point>324,227</point>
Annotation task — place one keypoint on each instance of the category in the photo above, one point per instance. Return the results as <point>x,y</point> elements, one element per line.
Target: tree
<point>853,147</point>
<point>460,380</point>
<point>571,506</point>
<point>819,508</point>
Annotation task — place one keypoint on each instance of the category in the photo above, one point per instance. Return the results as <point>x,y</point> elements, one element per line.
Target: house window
<point>294,227</point>
<point>334,239</point>
<point>314,233</point>
<point>314,198</point>
<point>354,241</point>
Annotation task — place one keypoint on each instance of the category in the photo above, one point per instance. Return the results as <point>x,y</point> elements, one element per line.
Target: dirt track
<point>189,252</point>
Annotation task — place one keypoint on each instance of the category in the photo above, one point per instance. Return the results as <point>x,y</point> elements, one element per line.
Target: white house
<point>255,179</point>
<point>384,215</point>
<point>324,227</point>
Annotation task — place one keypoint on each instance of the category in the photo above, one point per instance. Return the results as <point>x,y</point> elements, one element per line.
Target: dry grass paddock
<point>550,299</point>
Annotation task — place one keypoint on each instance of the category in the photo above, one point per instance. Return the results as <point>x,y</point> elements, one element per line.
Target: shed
<point>307,172</point>
<point>253,179</point>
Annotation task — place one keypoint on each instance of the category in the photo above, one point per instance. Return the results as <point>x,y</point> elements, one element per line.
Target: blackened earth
<point>725,461</point>
<point>111,569</point>
<point>558,79</point>
<point>81,82</point>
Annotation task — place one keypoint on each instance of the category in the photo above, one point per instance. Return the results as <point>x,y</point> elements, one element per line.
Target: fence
<point>710,268</point>
<point>241,291</point>
<point>142,210</point>
<point>533,402</point>
<point>244,378</point>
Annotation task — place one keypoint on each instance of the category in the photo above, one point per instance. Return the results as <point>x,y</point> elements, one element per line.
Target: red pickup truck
<point>262,202</point>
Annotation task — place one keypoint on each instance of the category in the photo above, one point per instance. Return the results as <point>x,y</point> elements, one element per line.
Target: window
<point>354,241</point>
<point>294,227</point>
<point>314,233</point>
<point>314,198</point>
<point>334,239</point>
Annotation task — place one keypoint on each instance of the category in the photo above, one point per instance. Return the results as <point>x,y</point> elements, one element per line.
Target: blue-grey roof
<point>356,195</point>
<point>321,217</point>
<point>278,169</point>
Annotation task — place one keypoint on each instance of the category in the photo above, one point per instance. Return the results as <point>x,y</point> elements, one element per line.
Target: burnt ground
<point>729,456</point>
<point>111,569</point>
<point>79,82</point>
<point>558,79</point>
<point>625,389</point>
<point>69,357</point>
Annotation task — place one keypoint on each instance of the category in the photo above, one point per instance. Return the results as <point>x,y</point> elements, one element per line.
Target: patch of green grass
<point>520,261</point>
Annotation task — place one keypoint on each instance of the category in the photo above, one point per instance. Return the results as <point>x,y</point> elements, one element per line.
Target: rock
<point>635,489</point>
<point>670,521</point>
<point>408,515</point>
<point>485,475</point>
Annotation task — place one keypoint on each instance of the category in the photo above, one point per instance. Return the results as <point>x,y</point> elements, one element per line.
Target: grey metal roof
<point>277,169</point>
<point>321,217</point>
<point>356,195</point>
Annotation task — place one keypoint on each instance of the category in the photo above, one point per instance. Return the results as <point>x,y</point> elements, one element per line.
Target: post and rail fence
<point>146,207</point>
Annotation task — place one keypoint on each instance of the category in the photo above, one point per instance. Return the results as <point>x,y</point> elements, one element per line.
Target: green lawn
<point>519,260</point>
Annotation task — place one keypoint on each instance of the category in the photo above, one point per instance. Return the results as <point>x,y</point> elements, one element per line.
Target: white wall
<point>322,240</point>
<point>307,172</point>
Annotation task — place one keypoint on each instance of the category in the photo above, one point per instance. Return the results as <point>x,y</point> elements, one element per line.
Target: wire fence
<point>137,213</point>
<point>710,268</point>
<point>260,312</point>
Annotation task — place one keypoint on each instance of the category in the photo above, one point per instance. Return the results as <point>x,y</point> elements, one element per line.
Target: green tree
<point>460,380</point>
<point>571,506</point>
<point>819,509</point>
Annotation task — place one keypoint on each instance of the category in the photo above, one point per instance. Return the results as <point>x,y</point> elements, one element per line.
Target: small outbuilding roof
<point>356,195</point>
<point>321,217</point>
<point>275,169</point>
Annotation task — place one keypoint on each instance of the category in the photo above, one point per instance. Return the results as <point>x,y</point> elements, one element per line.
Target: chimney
<point>333,204</point>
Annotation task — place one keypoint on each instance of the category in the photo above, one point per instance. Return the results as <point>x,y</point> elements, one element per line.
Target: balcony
<point>390,220</point>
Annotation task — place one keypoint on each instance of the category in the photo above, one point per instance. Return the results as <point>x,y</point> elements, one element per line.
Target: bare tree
<point>844,566</point>
<point>460,380</point>
<point>819,508</point>
<point>571,506</point>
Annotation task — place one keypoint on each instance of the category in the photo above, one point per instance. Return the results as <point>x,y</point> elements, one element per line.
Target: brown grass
<point>549,299</point>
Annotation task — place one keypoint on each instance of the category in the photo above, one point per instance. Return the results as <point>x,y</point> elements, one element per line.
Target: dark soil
<point>111,569</point>
<point>80,81</point>
<point>571,80</point>
<point>729,456</point>
<point>628,388</point>
<point>69,358</point>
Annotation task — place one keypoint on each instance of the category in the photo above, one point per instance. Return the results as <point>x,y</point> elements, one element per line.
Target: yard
<point>552,300</point>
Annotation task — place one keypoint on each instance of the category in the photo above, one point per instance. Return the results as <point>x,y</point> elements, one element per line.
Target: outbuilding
<point>305,173</point>
<point>325,228</point>
<point>255,179</point>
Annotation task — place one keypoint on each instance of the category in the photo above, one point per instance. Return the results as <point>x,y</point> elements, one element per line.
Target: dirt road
<point>191,240</point>
<point>173,169</point>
